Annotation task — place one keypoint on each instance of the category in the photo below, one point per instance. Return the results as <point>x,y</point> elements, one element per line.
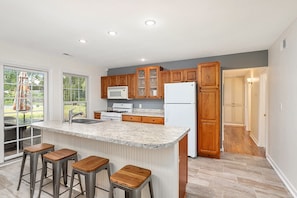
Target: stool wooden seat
<point>132,179</point>
<point>89,167</point>
<point>59,159</point>
<point>34,152</point>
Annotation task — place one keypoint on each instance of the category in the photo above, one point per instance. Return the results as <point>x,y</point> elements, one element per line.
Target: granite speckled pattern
<point>151,136</point>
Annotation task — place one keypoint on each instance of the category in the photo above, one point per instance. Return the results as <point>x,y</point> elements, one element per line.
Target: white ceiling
<point>185,29</point>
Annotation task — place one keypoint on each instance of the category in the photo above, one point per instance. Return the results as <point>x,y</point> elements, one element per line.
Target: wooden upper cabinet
<point>209,75</point>
<point>183,75</point>
<point>190,75</point>
<point>165,78</point>
<point>148,82</point>
<point>104,85</point>
<point>209,110</point>
<point>118,80</point>
<point>131,81</point>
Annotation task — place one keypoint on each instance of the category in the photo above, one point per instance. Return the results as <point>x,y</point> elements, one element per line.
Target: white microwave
<point>117,92</point>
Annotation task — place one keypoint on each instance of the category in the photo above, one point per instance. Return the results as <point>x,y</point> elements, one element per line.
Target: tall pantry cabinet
<point>209,109</point>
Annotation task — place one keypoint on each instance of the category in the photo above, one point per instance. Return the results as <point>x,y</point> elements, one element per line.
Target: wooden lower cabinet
<point>97,115</point>
<point>152,120</point>
<point>131,118</point>
<point>143,119</point>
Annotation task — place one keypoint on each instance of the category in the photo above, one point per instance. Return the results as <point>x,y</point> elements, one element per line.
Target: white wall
<point>55,65</point>
<point>282,132</point>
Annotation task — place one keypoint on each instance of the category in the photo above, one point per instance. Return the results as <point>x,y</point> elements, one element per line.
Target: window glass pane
<point>36,132</point>
<point>24,132</point>
<point>10,133</point>
<point>82,95</point>
<point>37,116</point>
<point>10,149</point>
<point>74,94</point>
<point>37,140</point>
<point>66,81</point>
<point>23,144</point>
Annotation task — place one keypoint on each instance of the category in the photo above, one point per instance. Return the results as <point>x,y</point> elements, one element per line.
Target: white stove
<point>117,110</point>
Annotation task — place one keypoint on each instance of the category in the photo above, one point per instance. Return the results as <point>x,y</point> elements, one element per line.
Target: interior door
<point>234,100</point>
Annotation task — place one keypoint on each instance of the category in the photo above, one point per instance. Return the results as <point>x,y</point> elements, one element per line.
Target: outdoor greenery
<point>74,94</point>
<point>35,95</point>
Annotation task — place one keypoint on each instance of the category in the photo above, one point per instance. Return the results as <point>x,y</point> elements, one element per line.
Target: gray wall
<point>232,61</point>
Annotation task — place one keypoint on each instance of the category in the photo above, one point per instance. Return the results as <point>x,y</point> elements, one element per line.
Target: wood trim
<point>183,166</point>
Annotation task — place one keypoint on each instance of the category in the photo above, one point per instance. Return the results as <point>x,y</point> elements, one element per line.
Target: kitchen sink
<point>86,121</point>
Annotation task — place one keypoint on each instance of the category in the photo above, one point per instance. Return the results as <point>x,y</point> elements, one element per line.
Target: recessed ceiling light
<point>112,33</point>
<point>143,59</point>
<point>82,41</point>
<point>150,22</point>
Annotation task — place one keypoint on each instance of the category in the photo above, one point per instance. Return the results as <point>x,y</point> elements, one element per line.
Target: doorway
<point>23,104</point>
<point>244,104</point>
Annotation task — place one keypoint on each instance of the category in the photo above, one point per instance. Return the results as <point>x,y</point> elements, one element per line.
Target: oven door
<point>111,116</point>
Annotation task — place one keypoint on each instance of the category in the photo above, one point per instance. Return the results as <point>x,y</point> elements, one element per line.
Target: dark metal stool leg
<point>151,188</point>
<point>56,178</point>
<point>33,170</point>
<point>90,184</point>
<point>42,176</point>
<point>22,169</point>
<point>71,184</point>
<point>65,172</point>
<point>110,194</point>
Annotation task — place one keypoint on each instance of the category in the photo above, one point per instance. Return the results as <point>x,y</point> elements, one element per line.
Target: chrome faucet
<point>72,115</point>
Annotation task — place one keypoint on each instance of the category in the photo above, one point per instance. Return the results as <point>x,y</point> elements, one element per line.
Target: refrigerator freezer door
<point>183,115</point>
<point>180,92</point>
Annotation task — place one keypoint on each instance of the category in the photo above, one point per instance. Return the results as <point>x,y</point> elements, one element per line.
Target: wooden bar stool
<point>89,167</point>
<point>132,180</point>
<point>34,152</point>
<point>59,160</point>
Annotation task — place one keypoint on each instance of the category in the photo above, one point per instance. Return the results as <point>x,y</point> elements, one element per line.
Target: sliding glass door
<point>24,103</point>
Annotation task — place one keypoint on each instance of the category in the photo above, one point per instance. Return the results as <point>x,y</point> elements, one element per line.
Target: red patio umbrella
<point>22,99</point>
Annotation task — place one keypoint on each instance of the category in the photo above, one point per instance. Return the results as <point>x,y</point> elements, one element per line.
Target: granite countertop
<point>151,136</point>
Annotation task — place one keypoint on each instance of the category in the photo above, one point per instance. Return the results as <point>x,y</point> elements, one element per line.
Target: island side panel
<point>183,166</point>
<point>164,163</point>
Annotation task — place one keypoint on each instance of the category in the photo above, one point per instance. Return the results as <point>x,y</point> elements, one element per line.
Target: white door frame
<point>263,110</point>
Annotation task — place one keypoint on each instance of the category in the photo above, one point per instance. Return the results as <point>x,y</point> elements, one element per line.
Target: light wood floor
<point>234,176</point>
<point>238,140</point>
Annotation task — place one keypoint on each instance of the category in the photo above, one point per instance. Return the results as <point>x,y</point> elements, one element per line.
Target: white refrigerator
<point>181,110</point>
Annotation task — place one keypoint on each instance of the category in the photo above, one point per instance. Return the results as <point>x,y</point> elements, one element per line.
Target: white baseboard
<point>254,139</point>
<point>282,176</point>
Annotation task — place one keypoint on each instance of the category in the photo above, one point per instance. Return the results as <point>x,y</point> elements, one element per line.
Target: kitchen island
<point>160,148</point>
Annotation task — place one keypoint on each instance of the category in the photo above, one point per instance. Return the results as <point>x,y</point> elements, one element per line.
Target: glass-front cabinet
<point>148,85</point>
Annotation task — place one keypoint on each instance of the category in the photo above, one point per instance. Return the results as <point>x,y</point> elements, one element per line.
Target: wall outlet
<point>140,106</point>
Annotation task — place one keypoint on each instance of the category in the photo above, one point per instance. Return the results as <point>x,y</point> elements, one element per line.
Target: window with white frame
<point>24,103</point>
<point>74,94</point>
